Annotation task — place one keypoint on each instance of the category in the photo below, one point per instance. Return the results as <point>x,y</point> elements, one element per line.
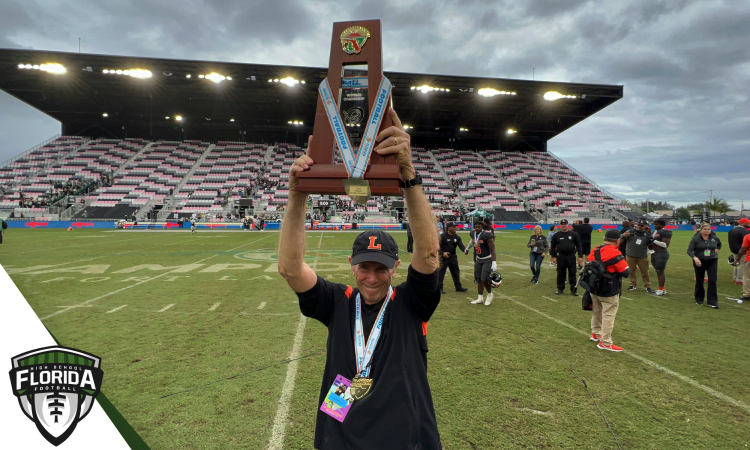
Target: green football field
<point>203,345</point>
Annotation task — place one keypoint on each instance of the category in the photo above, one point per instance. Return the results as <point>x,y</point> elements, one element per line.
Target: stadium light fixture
<point>289,81</point>
<point>512,131</point>
<point>296,122</point>
<point>53,68</point>
<point>167,117</point>
<point>408,127</point>
<point>105,115</point>
<point>141,74</point>
<point>490,92</point>
<point>188,76</point>
<point>215,77</point>
<point>551,96</point>
<point>178,118</point>
<point>231,120</point>
<point>463,129</point>
<point>425,89</point>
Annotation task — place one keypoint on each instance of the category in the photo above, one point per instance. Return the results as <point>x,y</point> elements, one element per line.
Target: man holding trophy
<point>374,393</point>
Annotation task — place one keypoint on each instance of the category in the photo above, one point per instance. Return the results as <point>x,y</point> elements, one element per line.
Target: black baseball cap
<point>611,235</point>
<point>450,224</point>
<point>643,222</point>
<point>564,221</point>
<point>377,246</point>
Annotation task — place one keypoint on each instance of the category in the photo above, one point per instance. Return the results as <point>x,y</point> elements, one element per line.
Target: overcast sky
<point>682,128</point>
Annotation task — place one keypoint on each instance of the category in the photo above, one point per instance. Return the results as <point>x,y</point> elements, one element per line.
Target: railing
<point>36,147</point>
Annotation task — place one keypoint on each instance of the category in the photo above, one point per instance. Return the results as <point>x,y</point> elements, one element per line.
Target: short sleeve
<point>746,241</point>
<point>422,293</point>
<point>318,303</point>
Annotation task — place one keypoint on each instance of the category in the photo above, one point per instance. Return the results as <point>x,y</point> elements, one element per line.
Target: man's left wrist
<point>408,173</point>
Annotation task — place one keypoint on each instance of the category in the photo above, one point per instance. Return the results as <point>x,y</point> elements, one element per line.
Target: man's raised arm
<point>292,266</point>
<point>394,140</point>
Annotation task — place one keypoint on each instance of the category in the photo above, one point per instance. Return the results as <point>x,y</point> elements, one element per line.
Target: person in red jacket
<point>606,299</point>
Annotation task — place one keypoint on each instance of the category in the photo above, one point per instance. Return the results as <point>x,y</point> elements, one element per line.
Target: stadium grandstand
<point>160,139</point>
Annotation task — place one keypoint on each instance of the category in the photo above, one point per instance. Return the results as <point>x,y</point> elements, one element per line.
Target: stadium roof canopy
<point>250,108</point>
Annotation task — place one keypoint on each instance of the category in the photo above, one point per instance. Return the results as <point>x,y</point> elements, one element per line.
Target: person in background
<point>606,300</point>
<point>440,225</point>
<point>704,249</point>
<point>539,246</point>
<point>584,230</point>
<point>743,258</point>
<point>735,238</point>
<point>409,239</point>
<point>563,248</point>
<point>659,258</point>
<point>485,263</point>
<point>448,259</point>
<point>636,253</point>
<point>549,239</point>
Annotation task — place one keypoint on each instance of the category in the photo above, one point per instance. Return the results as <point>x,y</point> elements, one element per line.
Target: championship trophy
<point>352,109</point>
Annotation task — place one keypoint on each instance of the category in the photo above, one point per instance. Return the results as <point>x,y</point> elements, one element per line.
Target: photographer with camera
<point>605,298</point>
<point>636,253</point>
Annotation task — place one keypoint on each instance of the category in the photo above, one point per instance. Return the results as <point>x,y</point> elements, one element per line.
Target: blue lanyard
<point>364,351</point>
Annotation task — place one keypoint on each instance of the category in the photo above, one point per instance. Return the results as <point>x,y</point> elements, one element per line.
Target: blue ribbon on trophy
<point>356,159</point>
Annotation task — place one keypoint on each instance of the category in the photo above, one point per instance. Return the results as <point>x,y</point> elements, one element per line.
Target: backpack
<point>594,276</point>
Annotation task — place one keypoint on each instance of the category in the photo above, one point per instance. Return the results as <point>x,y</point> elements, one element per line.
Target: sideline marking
<point>166,307</point>
<point>282,410</point>
<point>262,305</point>
<point>216,305</point>
<point>694,383</point>
<point>279,422</point>
<point>144,281</point>
<point>549,298</point>
<point>108,312</point>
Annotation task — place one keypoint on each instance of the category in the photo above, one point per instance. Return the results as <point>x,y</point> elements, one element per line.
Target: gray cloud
<point>685,66</point>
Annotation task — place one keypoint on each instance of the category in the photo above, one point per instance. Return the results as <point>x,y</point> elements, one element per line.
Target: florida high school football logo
<point>56,387</point>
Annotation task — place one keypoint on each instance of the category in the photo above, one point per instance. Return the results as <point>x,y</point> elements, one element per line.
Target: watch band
<point>413,182</point>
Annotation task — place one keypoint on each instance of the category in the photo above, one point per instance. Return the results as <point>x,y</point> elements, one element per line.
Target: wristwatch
<point>411,183</point>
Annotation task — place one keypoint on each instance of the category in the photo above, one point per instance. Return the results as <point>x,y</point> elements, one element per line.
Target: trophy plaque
<point>352,109</point>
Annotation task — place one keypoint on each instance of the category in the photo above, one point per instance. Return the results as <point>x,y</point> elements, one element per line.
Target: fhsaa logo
<point>56,387</point>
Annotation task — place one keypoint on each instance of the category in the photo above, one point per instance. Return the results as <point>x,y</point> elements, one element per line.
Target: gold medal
<point>360,387</point>
<point>358,189</point>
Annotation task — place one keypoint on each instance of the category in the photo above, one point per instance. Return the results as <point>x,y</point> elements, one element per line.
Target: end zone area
<point>208,371</point>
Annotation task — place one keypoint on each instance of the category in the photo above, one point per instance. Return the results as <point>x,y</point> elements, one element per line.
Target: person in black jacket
<point>563,248</point>
<point>539,246</point>
<point>448,260</point>
<point>734,238</point>
<point>704,249</point>
<point>584,231</point>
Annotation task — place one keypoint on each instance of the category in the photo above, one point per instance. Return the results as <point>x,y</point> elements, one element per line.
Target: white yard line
<point>216,305</point>
<point>549,298</point>
<point>144,281</point>
<point>108,312</point>
<point>684,378</point>
<point>282,410</point>
<point>166,307</point>
<point>285,402</point>
<point>262,305</point>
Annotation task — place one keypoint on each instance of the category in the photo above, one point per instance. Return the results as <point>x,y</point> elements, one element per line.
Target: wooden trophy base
<point>384,179</point>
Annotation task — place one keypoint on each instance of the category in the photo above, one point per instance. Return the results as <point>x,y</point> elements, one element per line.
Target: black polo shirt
<point>398,412</point>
